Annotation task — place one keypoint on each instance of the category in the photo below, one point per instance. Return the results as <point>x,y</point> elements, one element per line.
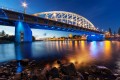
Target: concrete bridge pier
<point>95,37</point>
<point>23,32</point>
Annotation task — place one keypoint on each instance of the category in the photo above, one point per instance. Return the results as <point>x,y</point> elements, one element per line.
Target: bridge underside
<point>23,31</point>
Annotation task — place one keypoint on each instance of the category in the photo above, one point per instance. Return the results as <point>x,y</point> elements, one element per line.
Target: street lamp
<point>24,4</point>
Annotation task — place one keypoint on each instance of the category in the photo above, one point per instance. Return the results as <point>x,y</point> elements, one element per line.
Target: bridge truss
<point>67,17</point>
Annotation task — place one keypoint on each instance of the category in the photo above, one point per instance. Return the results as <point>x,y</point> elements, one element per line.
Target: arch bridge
<point>68,18</point>
<point>53,20</point>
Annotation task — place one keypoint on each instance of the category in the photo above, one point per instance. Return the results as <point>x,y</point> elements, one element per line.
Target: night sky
<point>102,13</point>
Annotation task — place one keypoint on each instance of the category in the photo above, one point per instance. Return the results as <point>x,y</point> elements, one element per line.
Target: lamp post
<point>24,4</point>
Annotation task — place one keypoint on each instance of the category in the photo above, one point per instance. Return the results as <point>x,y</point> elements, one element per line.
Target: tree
<point>119,31</point>
<point>110,31</point>
<point>3,32</point>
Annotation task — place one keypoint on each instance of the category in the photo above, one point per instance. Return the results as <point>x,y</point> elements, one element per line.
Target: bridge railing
<point>16,10</point>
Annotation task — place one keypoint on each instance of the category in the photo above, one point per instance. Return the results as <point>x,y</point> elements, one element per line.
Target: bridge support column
<point>23,32</point>
<point>95,37</point>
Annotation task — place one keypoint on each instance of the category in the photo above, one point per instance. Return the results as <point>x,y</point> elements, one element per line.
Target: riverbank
<point>31,69</point>
<point>7,39</point>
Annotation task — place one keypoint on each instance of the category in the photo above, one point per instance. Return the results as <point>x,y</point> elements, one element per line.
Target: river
<point>105,53</point>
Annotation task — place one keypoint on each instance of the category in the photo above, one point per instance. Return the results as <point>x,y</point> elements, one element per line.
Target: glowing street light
<point>54,14</point>
<point>24,4</point>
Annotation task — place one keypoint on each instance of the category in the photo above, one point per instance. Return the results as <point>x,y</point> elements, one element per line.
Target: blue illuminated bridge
<point>53,20</point>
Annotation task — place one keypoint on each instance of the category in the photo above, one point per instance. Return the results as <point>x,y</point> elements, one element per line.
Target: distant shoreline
<point>6,42</point>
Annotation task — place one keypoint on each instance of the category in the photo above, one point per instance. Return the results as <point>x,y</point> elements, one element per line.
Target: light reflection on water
<point>81,53</point>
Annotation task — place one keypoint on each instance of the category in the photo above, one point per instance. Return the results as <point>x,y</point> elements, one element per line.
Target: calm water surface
<point>105,53</point>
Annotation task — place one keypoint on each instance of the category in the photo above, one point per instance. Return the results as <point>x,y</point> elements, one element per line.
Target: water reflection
<point>23,50</point>
<point>81,53</point>
<point>93,49</point>
<point>107,50</point>
<point>7,52</point>
<point>83,45</point>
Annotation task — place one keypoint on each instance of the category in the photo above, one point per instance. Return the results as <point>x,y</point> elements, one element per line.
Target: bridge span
<point>55,20</point>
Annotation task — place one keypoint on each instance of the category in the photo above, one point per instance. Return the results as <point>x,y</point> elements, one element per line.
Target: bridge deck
<point>10,17</point>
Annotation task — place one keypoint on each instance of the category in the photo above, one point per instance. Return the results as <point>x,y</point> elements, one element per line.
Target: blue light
<point>52,27</point>
<point>96,37</point>
<point>92,35</point>
<point>68,29</point>
<point>19,68</point>
<point>21,27</point>
<point>37,25</point>
<point>58,28</point>
<point>46,26</point>
<point>93,49</point>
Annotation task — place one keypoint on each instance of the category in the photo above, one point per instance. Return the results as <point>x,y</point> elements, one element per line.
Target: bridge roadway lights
<point>23,32</point>
<point>95,37</point>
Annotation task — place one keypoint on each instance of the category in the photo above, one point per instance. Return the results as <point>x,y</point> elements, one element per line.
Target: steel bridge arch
<point>67,17</point>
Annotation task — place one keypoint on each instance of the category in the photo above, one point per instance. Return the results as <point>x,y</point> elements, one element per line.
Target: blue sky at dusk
<point>102,13</point>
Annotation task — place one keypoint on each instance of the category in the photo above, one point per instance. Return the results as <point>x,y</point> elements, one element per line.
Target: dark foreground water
<point>106,53</point>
